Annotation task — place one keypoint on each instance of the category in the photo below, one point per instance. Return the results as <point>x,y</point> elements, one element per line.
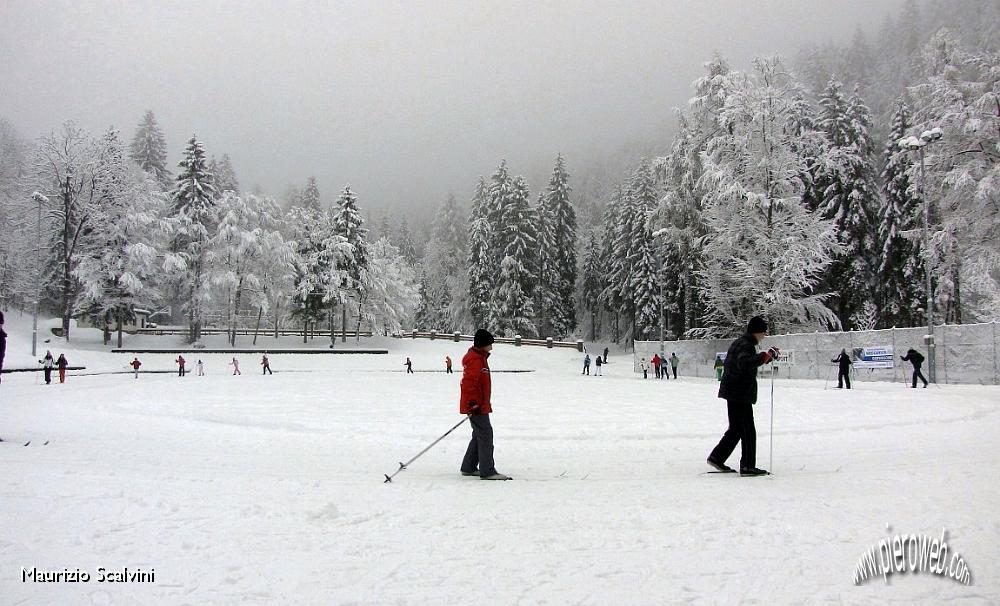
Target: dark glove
<point>474,409</point>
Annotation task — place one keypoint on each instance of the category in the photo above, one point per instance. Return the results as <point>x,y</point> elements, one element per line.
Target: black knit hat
<point>756,324</point>
<point>482,338</point>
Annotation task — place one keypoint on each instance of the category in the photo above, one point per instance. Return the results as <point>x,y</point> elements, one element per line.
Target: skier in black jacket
<point>845,369</point>
<point>917,359</point>
<point>739,389</point>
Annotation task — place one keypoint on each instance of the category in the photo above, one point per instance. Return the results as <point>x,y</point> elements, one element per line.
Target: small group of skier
<point>235,363</point>
<point>48,364</point>
<point>598,362</point>
<point>660,366</point>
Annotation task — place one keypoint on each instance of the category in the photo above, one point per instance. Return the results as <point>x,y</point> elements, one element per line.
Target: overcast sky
<point>405,101</point>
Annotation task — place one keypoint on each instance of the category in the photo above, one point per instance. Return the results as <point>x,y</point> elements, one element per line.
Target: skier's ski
<point>731,471</point>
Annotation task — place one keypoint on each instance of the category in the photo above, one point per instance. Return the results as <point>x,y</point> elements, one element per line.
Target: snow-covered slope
<point>256,489</point>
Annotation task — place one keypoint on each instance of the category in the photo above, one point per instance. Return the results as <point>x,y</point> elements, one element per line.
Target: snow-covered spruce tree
<point>592,283</point>
<point>404,242</point>
<point>564,243</point>
<point>117,268</point>
<point>644,281</point>
<point>765,251</point>
<point>444,263</point>
<point>349,224</point>
<point>18,222</point>
<point>149,150</point>
<point>849,199</point>
<point>547,291</point>
<point>518,269</point>
<point>901,278</point>
<point>390,288</point>
<point>274,266</point>
<point>481,268</point>
<point>613,255</point>
<point>192,223</point>
<point>310,229</point>
<point>69,172</point>
<point>223,175</point>
<point>959,95</point>
<point>310,195</point>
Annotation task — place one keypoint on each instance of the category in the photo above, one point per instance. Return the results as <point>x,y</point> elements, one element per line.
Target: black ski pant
<point>480,450</point>
<point>844,376</point>
<point>449,370</point>
<point>675,372</point>
<point>918,375</point>
<point>409,370</point>
<point>741,429</point>
<point>180,371</point>
<point>267,369</point>
<point>48,376</point>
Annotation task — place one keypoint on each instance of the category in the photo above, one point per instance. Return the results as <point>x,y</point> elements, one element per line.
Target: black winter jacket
<point>739,372</point>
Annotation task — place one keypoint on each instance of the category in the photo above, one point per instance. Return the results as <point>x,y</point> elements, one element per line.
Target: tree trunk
<point>120,329</point>
<point>343,324</point>
<point>236,311</point>
<point>333,333</point>
<point>957,279</point>
<point>357,331</point>
<point>260,313</point>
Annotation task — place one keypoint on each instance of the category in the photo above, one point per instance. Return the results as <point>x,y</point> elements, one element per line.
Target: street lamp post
<point>917,144</point>
<point>38,199</point>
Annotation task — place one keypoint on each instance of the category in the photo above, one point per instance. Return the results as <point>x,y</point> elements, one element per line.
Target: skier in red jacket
<point>475,402</point>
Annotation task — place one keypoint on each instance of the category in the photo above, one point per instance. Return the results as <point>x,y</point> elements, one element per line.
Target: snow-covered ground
<point>256,489</point>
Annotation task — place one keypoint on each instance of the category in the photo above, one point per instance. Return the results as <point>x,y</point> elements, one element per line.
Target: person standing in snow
<point>409,366</point>
<point>664,371</point>
<point>597,370</point>
<point>267,365</point>
<point>200,369</point>
<point>674,361</point>
<point>586,364</point>
<point>844,375</point>
<point>3,342</point>
<point>475,402</point>
<point>135,364</point>
<point>236,366</point>
<point>180,365</point>
<point>62,363</point>
<point>739,389</point>
<point>605,355</point>
<point>47,365</point>
<point>447,365</point>
<point>915,358</point>
<point>645,368</point>
<point>718,367</point>
<point>656,365</point>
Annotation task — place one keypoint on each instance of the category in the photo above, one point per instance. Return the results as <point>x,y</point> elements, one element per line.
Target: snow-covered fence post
<point>433,334</point>
<point>996,375</point>
<point>548,342</point>
<point>579,348</point>
<point>457,336</point>
<point>517,340</point>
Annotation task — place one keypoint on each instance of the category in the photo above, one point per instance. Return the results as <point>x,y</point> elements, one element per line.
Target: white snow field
<point>269,490</point>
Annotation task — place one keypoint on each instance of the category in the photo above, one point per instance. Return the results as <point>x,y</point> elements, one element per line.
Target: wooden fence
<point>516,341</point>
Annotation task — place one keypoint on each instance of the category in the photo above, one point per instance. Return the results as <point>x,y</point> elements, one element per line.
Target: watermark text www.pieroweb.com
<point>902,553</point>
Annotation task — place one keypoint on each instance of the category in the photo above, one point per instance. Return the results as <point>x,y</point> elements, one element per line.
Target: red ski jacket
<point>475,382</point>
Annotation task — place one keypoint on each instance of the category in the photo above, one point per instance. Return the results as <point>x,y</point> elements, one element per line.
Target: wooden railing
<point>517,341</point>
<point>282,332</point>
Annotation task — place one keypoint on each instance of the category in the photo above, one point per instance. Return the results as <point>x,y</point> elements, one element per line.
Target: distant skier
<point>236,366</point>
<point>62,363</point>
<point>447,365</point>
<point>645,368</point>
<point>844,375</point>
<point>674,361</point>
<point>3,343</point>
<point>656,365</point>
<point>200,369</point>
<point>664,371</point>
<point>409,366</point>
<point>586,364</point>
<point>605,355</point>
<point>135,364</point>
<point>597,369</point>
<point>739,389</point>
<point>718,367</point>
<point>915,358</point>
<point>47,365</point>
<point>180,365</point>
<point>267,365</point>
<point>475,402</point>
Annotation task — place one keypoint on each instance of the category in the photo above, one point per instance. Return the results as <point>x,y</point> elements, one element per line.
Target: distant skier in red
<point>135,364</point>
<point>180,366</point>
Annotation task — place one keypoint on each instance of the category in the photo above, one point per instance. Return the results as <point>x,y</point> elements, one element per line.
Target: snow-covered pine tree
<point>404,242</point>
<point>644,281</point>
<point>499,194</point>
<point>309,229</point>
<point>901,277</point>
<point>192,224</point>
<point>223,175</point>
<point>390,287</point>
<point>518,269</point>
<point>481,272</point>
<point>118,267</point>
<point>349,224</point>
<point>444,262</point>
<point>592,283</point>
<point>546,294</point>
<point>149,150</point>
<point>765,251</point>
<point>310,195</point>
<point>613,256</point>
<point>850,191</point>
<point>564,243</point>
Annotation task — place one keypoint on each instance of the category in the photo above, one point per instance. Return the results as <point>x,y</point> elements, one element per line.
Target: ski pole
<point>770,456</point>
<point>403,466</point>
